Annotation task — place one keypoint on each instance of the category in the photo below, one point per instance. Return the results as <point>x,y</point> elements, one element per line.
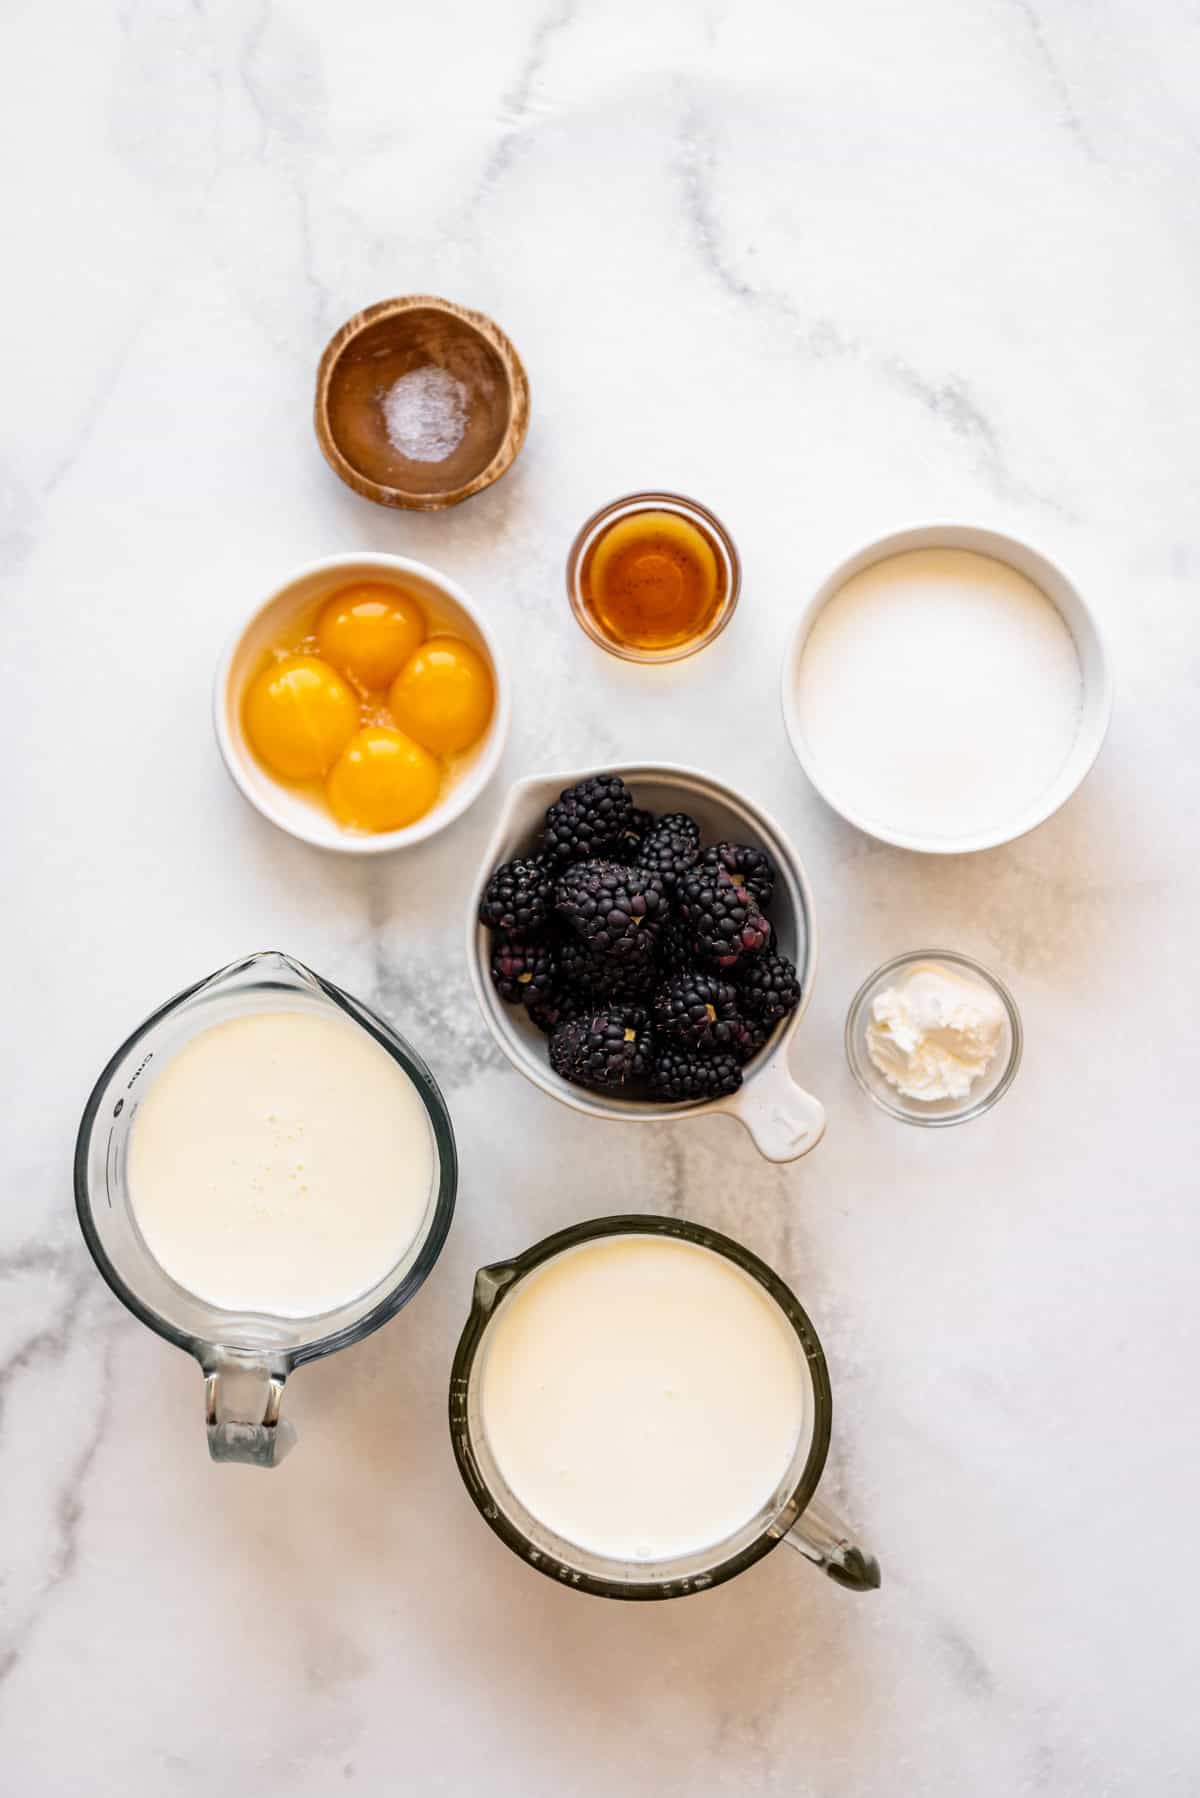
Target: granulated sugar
<point>425,412</point>
<point>939,694</point>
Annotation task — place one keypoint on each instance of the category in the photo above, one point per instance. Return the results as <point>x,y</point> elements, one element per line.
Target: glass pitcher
<point>793,1515</point>
<point>245,1356</point>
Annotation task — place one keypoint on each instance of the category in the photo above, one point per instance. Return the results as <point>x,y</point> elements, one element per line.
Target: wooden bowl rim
<point>514,374</point>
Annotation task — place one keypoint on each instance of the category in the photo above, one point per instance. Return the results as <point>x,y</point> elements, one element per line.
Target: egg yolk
<point>369,631</point>
<point>299,715</point>
<point>382,781</point>
<point>443,695</point>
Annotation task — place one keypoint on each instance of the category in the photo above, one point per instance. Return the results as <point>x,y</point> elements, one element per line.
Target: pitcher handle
<point>246,1426</point>
<point>822,1538</point>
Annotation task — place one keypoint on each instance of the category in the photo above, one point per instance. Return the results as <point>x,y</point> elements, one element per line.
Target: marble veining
<point>831,269</point>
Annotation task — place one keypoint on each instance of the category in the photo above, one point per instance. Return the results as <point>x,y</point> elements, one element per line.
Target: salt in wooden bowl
<point>378,347</point>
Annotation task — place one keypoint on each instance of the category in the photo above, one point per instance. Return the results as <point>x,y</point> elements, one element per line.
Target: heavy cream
<point>643,1397</point>
<point>282,1163</point>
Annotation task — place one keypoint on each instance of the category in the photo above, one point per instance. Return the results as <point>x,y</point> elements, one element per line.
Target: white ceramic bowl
<point>1093,663</point>
<point>784,1120</point>
<point>298,812</point>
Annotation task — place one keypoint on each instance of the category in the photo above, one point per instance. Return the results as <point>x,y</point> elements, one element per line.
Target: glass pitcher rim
<point>484,1306</point>
<point>436,1109</point>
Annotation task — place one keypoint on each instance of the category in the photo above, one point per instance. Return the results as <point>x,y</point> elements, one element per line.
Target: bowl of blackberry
<point>642,947</point>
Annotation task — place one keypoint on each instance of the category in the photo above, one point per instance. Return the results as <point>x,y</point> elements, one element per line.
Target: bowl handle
<point>784,1120</point>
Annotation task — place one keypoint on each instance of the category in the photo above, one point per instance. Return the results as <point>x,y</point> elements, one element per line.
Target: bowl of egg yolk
<point>364,706</point>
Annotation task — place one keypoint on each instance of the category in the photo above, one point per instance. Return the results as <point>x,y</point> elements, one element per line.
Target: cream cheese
<point>934,1033</point>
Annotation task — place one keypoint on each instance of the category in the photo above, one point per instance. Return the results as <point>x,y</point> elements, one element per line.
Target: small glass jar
<point>991,1085</point>
<point>705,523</point>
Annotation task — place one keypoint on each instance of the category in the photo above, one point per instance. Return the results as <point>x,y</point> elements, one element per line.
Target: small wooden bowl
<point>372,351</point>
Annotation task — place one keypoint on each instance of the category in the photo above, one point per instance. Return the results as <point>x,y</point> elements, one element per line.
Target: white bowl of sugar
<point>946,688</point>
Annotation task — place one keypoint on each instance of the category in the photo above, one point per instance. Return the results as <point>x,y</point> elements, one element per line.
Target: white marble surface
<point>830,268</point>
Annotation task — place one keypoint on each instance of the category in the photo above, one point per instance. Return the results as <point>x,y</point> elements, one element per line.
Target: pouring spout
<point>490,1282</point>
<point>273,966</point>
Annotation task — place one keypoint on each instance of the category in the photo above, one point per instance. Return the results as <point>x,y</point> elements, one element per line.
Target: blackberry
<point>681,1074</point>
<point>722,916</point>
<point>696,1010</point>
<point>587,820</point>
<point>558,1006</point>
<point>584,973</point>
<point>630,841</point>
<point>673,949</point>
<point>522,973</point>
<point>576,963</point>
<point>747,1036</point>
<point>518,898</point>
<point>607,1050</point>
<point>768,988</point>
<point>671,846</point>
<point>614,910</point>
<point>752,867</point>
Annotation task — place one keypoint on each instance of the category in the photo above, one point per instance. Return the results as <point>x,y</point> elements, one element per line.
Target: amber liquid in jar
<point>653,580</point>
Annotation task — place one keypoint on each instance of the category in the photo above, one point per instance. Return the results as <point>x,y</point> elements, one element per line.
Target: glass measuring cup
<point>245,1356</point>
<point>793,1514</point>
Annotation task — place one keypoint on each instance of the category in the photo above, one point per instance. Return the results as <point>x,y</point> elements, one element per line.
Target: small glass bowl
<point>705,521</point>
<point>936,1113</point>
